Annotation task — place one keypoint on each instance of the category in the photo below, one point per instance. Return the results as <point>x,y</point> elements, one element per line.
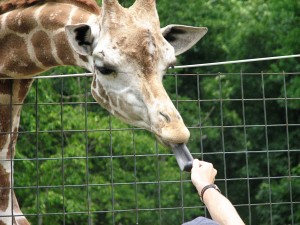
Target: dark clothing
<point>201,221</point>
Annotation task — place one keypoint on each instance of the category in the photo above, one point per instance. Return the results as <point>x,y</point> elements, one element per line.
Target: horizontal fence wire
<point>176,67</point>
<point>124,176</point>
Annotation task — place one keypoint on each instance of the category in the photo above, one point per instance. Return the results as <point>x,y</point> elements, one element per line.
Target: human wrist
<point>200,186</point>
<point>206,188</point>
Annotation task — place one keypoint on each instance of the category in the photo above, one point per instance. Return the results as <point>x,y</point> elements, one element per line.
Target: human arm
<point>219,207</point>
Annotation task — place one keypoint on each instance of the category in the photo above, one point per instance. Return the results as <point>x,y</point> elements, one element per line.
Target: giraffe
<point>125,49</point>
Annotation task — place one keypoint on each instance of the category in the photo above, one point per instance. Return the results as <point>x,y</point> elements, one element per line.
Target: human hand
<point>202,174</point>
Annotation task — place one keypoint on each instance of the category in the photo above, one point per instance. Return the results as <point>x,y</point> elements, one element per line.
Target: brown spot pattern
<point>21,21</point>
<point>6,86</point>
<point>5,114</point>
<point>2,223</point>
<point>54,16</point>
<point>80,16</point>
<point>13,52</point>
<point>4,188</point>
<point>5,124</point>
<point>84,58</point>
<point>8,112</point>
<point>12,143</point>
<point>5,135</point>
<point>25,85</point>
<point>9,5</point>
<point>3,75</point>
<point>42,46</point>
<point>64,51</point>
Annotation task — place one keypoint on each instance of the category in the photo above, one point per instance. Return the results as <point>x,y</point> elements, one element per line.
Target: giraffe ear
<point>80,38</point>
<point>182,38</point>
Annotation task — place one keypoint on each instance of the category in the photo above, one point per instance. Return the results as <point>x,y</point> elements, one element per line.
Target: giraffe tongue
<point>183,157</point>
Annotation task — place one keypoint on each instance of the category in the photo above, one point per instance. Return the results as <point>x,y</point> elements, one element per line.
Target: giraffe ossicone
<point>125,48</point>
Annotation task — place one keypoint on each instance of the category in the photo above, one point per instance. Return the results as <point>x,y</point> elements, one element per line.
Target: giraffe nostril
<point>166,117</point>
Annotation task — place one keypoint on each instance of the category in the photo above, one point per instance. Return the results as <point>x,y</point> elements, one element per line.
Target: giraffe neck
<point>33,39</point>
<point>13,93</point>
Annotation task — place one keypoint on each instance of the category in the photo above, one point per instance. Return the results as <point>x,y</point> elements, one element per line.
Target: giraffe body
<point>33,39</point>
<point>125,49</point>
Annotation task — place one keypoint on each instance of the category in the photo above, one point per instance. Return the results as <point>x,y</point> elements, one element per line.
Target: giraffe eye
<point>104,70</point>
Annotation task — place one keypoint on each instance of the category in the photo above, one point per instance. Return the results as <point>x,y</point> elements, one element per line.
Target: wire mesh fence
<point>77,164</point>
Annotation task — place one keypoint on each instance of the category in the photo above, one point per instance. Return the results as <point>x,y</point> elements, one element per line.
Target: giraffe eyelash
<point>106,71</point>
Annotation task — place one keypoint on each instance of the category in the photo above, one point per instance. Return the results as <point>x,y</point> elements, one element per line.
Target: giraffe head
<point>129,54</point>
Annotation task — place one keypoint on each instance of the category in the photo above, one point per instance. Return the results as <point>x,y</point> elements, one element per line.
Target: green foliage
<point>74,171</point>
<point>280,193</point>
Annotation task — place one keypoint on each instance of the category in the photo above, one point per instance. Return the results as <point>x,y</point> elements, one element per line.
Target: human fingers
<point>203,172</point>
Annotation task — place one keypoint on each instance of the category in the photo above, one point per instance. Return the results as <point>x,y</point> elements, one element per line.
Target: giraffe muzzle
<point>172,129</point>
<point>172,134</point>
<point>175,134</point>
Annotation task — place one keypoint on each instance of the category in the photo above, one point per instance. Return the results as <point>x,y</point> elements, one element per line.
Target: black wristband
<point>207,187</point>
